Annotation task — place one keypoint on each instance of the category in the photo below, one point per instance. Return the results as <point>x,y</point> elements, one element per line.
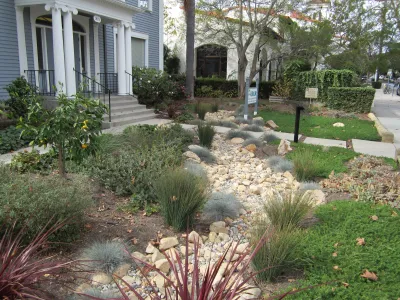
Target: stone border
<point>387,136</point>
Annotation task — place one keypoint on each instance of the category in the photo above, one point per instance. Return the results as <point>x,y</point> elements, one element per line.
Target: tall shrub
<point>351,99</point>
<point>323,80</point>
<point>22,94</point>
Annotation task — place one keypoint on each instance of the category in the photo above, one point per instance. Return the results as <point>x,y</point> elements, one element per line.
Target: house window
<point>138,52</point>
<point>211,61</point>
<point>145,4</point>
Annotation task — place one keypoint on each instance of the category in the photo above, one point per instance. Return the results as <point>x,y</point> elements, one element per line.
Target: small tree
<point>69,129</point>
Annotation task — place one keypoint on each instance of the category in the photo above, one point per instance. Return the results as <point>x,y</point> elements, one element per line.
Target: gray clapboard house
<point>89,43</point>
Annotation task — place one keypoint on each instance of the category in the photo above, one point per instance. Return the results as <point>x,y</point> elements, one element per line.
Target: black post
<point>297,123</point>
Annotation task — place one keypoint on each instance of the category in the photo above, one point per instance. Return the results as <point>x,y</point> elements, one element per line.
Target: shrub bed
<point>351,99</point>
<point>219,87</point>
<point>10,140</point>
<point>39,199</point>
<point>376,84</point>
<point>322,80</point>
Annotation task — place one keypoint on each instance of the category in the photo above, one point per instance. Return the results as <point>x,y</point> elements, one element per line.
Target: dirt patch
<point>281,285</point>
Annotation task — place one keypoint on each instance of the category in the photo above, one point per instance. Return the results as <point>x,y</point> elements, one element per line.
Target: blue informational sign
<point>251,97</point>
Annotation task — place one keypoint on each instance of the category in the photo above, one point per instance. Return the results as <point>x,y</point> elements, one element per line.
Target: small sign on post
<point>311,93</point>
<point>251,97</point>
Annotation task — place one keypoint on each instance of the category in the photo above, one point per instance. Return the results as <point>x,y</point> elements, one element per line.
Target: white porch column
<point>121,59</point>
<point>96,21</point>
<point>58,47</point>
<point>23,60</point>
<point>128,58</point>
<point>69,51</point>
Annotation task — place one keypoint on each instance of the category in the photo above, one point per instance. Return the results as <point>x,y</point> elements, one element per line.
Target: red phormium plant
<point>219,282</point>
<point>21,268</point>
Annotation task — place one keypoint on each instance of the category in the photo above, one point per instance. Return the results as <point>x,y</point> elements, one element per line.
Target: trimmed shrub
<point>10,140</point>
<point>238,134</point>
<point>36,200</point>
<point>204,154</point>
<point>221,206</point>
<point>322,80</point>
<point>278,254</point>
<point>195,169</point>
<point>259,122</point>
<point>253,141</point>
<point>288,210</point>
<point>253,128</point>
<point>106,256</point>
<point>376,84</point>
<point>305,166</point>
<point>223,123</point>
<point>206,134</point>
<point>351,99</point>
<point>280,164</point>
<point>180,195</point>
<point>309,185</point>
<point>269,137</point>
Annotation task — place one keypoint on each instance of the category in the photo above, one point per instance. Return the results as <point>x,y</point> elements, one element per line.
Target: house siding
<point>9,61</point>
<point>148,23</point>
<point>28,38</point>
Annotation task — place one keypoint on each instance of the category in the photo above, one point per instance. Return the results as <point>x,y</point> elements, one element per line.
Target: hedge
<point>228,88</point>
<point>355,99</point>
<point>376,84</point>
<point>322,80</point>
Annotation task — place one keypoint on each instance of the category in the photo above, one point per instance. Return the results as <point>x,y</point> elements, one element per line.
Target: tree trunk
<point>242,64</point>
<point>190,25</point>
<point>61,166</point>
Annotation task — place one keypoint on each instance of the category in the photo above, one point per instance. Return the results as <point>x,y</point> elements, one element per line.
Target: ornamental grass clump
<point>202,110</point>
<point>204,154</point>
<point>221,206</point>
<point>269,137</point>
<point>195,169</point>
<point>280,164</point>
<point>242,120</point>
<point>305,166</point>
<point>309,185</point>
<point>253,141</point>
<point>253,127</point>
<point>105,256</point>
<point>259,122</point>
<point>24,269</point>
<point>278,254</point>
<point>180,195</point>
<point>238,134</point>
<point>288,210</point>
<point>206,134</point>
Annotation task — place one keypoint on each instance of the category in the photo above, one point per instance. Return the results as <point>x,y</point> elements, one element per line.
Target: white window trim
<point>137,35</point>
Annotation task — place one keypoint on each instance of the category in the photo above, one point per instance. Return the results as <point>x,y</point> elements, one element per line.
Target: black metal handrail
<point>42,80</point>
<point>91,88</point>
<point>110,81</point>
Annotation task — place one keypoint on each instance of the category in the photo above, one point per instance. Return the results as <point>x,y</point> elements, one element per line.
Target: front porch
<point>69,45</point>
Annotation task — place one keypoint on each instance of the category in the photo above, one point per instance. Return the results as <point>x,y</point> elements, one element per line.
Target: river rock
<point>168,242</point>
<point>162,265</point>
<point>237,141</point>
<point>284,147</point>
<point>218,227</point>
<point>271,124</point>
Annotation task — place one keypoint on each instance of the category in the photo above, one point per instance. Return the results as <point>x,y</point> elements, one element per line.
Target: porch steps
<point>126,110</point>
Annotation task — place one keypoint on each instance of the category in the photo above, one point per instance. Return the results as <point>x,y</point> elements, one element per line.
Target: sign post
<point>251,97</point>
<point>311,93</point>
<point>256,104</point>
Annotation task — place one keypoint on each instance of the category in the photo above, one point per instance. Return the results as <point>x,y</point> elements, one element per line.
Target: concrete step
<point>129,120</point>
<point>125,115</point>
<point>117,103</point>
<point>127,108</point>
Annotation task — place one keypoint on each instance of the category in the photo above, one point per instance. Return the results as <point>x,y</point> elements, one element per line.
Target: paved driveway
<point>387,109</point>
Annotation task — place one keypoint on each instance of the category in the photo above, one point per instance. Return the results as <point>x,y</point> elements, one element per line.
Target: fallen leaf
<point>369,275</point>
<point>88,226</point>
<point>336,245</point>
<point>360,241</point>
<point>334,208</point>
<point>134,241</point>
<point>133,180</point>
<point>291,280</point>
<point>129,230</point>
<point>184,235</point>
<point>345,284</point>
<point>394,214</point>
<point>336,268</point>
<point>334,254</point>
<point>374,218</point>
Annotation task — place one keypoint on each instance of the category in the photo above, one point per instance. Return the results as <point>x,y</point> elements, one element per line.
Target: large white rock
<point>150,249</point>
<point>237,141</point>
<point>271,124</point>
<point>122,270</point>
<point>192,156</point>
<point>284,147</point>
<point>194,237</point>
<point>101,278</point>
<point>168,242</point>
<point>339,124</point>
<point>218,227</point>
<point>139,256</point>
<point>162,265</point>
<point>157,255</point>
<point>317,196</point>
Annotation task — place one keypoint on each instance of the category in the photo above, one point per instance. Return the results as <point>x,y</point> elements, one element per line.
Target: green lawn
<point>321,127</point>
<point>332,242</point>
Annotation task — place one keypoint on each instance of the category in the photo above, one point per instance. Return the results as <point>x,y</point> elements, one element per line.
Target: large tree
<point>243,25</point>
<point>190,6</point>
